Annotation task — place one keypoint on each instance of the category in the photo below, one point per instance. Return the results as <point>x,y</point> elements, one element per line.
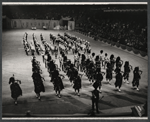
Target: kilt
<point>58,84</point>
<point>126,75</point>
<point>15,90</point>
<point>97,84</point>
<point>118,83</point>
<point>109,75</point>
<point>39,87</point>
<point>135,82</point>
<point>77,83</point>
<point>118,80</point>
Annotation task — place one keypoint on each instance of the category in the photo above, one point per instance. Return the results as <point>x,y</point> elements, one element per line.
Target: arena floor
<point>15,61</point>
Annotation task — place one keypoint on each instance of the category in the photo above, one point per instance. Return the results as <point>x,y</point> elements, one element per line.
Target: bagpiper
<point>98,79</point>
<point>101,57</point>
<point>112,61</point>
<point>77,83</point>
<point>15,88</point>
<point>119,63</point>
<point>56,51</point>
<point>106,60</point>
<point>38,84</point>
<point>118,82</point>
<point>109,73</point>
<point>58,84</point>
<point>136,78</point>
<point>127,69</point>
<point>97,62</point>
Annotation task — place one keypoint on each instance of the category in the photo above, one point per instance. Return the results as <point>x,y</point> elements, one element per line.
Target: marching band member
<point>109,73</point>
<point>136,78</point>
<point>77,82</point>
<point>71,72</point>
<point>97,62</point>
<point>32,49</point>
<point>64,63</point>
<point>61,59</point>
<point>118,82</point>
<point>106,60</point>
<point>16,91</point>
<point>118,64</point>
<point>112,61</point>
<point>101,57</point>
<point>91,71</point>
<point>98,79</point>
<point>95,98</point>
<point>83,59</point>
<point>38,84</point>
<point>58,84</point>
<point>127,69</point>
<point>56,51</point>
<point>93,57</point>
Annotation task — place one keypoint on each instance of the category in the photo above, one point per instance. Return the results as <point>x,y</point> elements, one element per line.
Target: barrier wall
<point>50,24</point>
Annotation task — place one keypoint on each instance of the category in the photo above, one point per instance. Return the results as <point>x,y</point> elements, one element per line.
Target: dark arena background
<point>29,30</point>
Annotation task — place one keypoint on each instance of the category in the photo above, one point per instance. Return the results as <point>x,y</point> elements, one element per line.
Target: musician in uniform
<point>106,60</point>
<point>61,59</point>
<point>79,62</point>
<point>112,61</point>
<point>119,63</point>
<point>15,88</point>
<point>101,57</point>
<point>98,79</point>
<point>51,67</point>
<point>97,62</point>
<point>136,77</point>
<point>76,60</point>
<point>88,54</point>
<point>109,73</point>
<point>56,51</point>
<point>58,84</point>
<point>32,49</point>
<point>118,82</point>
<point>93,57</point>
<point>38,84</point>
<point>77,82</point>
<point>95,98</point>
<point>71,72</point>
<point>64,63</point>
<point>91,71</point>
<point>26,35</point>
<point>83,59</point>
<point>127,69</point>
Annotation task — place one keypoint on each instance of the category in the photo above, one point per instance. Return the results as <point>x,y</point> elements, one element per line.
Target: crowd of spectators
<point>39,12</point>
<point>127,28</point>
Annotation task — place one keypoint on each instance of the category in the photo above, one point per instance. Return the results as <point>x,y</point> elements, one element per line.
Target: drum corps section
<point>85,63</point>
